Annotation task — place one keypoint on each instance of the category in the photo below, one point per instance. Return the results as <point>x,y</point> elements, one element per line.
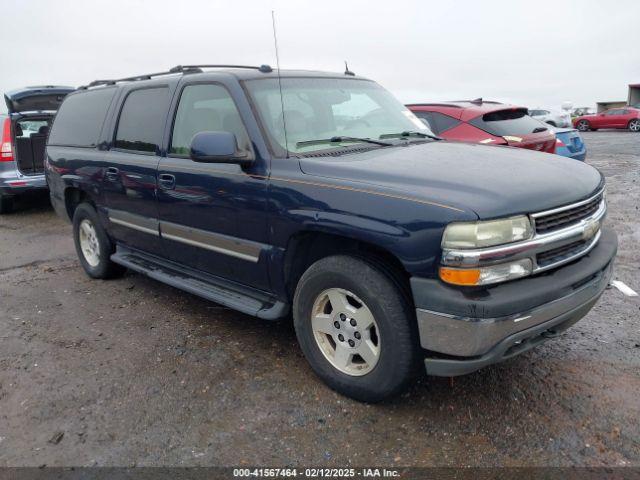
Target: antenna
<point>347,71</point>
<point>284,120</point>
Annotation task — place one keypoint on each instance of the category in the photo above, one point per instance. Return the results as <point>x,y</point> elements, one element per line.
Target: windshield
<point>508,122</point>
<point>317,110</point>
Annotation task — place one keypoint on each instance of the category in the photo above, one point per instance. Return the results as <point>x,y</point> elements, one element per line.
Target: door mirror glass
<point>216,147</point>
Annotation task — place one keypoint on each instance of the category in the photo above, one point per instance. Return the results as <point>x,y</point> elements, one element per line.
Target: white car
<point>555,119</point>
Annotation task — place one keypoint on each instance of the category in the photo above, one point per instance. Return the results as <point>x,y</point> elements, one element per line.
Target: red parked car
<point>486,122</point>
<point>626,117</point>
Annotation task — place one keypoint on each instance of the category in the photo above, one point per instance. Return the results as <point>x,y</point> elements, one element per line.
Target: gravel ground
<point>133,372</point>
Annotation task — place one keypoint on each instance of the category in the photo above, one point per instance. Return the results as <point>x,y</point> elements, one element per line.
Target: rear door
<point>132,163</point>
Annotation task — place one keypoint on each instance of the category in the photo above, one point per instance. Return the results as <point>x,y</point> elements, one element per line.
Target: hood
<point>491,181</point>
<point>34,99</point>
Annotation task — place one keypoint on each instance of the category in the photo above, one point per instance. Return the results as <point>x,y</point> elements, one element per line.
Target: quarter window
<point>206,108</point>
<point>80,117</point>
<point>142,120</point>
<point>443,122</point>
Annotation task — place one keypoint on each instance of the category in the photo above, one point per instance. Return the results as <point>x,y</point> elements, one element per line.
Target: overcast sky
<point>532,53</point>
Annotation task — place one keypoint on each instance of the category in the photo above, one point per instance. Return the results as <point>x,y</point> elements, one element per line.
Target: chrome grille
<point>560,254</point>
<point>562,218</point>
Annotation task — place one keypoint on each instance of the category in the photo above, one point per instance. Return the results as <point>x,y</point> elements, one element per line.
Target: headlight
<point>486,275</point>
<point>487,234</point>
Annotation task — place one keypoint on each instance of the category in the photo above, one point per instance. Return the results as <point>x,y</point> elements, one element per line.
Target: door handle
<point>167,181</point>
<point>112,173</point>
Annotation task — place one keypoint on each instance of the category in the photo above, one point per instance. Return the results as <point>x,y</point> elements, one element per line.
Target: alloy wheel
<point>89,243</point>
<point>345,331</point>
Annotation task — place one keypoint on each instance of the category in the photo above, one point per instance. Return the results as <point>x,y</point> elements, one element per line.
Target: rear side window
<point>443,122</point>
<point>437,122</point>
<point>79,120</point>
<point>427,120</point>
<point>141,122</point>
<point>508,122</point>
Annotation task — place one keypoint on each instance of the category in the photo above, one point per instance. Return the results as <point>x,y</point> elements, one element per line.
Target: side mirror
<point>217,147</point>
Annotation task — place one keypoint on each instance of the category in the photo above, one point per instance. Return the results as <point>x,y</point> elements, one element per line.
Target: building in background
<point>634,95</point>
<point>602,106</point>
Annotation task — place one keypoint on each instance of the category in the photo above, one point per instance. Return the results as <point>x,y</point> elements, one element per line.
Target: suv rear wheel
<point>93,246</point>
<point>356,328</point>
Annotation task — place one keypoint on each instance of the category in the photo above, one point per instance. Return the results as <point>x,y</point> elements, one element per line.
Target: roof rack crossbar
<point>171,71</point>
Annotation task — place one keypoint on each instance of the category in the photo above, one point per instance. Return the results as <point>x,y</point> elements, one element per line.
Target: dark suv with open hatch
<point>321,195</point>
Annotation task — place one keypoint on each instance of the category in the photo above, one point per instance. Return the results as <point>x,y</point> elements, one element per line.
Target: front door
<point>213,215</point>
<point>130,177</point>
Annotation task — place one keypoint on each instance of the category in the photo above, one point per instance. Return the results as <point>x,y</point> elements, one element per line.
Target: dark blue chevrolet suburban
<point>321,196</point>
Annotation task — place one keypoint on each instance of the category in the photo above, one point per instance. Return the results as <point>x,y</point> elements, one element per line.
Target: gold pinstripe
<point>324,185</point>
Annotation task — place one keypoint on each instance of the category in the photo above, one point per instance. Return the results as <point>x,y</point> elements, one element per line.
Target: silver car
<point>555,119</point>
<point>23,133</point>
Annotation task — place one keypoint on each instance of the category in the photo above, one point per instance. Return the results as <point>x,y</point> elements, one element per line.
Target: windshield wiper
<point>339,139</point>
<point>410,133</point>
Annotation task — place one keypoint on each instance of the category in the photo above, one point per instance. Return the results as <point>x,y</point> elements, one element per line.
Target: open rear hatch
<point>36,99</point>
<point>32,110</point>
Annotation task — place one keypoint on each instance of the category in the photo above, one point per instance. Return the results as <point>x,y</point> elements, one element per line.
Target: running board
<point>215,289</point>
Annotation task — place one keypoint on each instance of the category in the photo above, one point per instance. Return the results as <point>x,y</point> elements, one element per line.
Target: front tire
<point>356,328</point>
<point>93,246</point>
<point>583,126</point>
<point>634,125</point>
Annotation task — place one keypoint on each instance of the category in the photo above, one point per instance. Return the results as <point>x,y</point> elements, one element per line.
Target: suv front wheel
<point>356,328</point>
<point>93,246</point>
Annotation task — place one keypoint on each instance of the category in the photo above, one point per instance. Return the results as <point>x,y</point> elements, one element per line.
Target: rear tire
<point>356,329</point>
<point>634,125</point>
<point>6,204</point>
<point>583,126</point>
<point>93,246</point>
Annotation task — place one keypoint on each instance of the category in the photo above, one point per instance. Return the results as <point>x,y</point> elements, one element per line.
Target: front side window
<point>142,118</point>
<point>317,109</point>
<point>206,108</point>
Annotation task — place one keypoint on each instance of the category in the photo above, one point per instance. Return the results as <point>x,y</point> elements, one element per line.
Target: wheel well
<point>72,198</point>
<point>306,248</point>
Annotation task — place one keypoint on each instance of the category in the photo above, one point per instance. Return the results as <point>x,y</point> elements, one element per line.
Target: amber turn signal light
<point>460,277</point>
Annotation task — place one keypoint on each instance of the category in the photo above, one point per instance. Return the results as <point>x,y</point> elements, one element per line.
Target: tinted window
<point>427,120</point>
<point>80,118</point>
<point>141,122</point>
<point>206,108</point>
<point>614,112</point>
<point>443,122</point>
<point>508,122</point>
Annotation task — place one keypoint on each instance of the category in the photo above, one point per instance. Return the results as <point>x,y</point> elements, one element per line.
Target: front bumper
<point>467,329</point>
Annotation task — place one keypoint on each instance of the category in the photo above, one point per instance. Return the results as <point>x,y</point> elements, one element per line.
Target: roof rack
<point>172,71</point>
